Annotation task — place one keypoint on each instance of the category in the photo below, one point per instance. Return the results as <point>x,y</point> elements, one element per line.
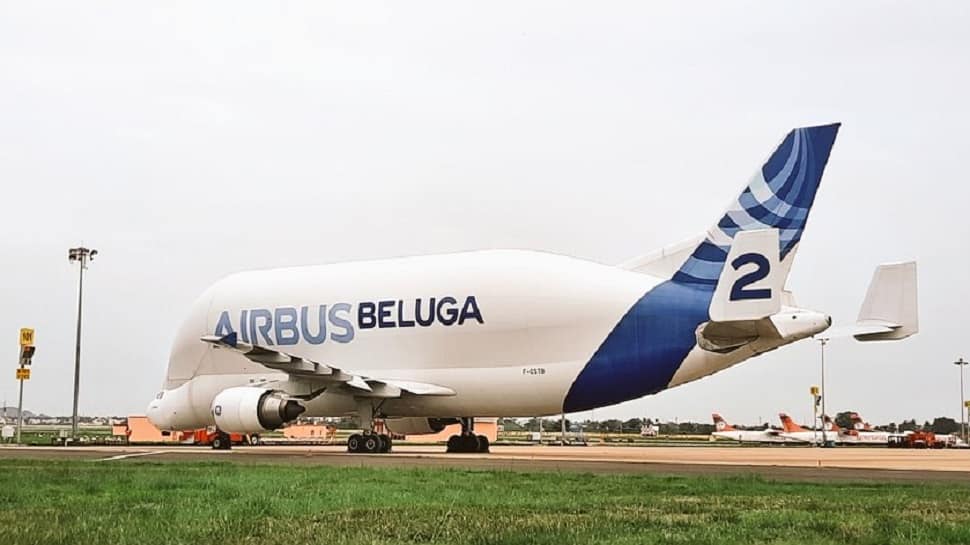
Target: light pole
<point>822,342</point>
<point>82,255</point>
<point>963,409</point>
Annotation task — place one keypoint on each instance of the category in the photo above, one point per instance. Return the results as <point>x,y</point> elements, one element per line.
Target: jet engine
<point>417,425</point>
<point>251,410</point>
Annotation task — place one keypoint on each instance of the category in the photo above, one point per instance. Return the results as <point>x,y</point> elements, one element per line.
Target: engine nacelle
<point>251,410</point>
<point>417,425</point>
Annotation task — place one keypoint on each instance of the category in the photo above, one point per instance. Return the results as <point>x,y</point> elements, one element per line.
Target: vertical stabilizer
<point>788,424</point>
<point>779,196</point>
<point>720,424</point>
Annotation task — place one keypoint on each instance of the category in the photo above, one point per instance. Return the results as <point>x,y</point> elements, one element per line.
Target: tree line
<point>940,424</point>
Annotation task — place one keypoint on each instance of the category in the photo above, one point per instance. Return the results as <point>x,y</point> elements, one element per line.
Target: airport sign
<point>26,336</point>
<point>23,373</point>
<point>26,354</point>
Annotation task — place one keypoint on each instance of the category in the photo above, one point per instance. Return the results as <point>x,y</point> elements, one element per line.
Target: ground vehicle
<point>916,439</point>
<point>220,440</point>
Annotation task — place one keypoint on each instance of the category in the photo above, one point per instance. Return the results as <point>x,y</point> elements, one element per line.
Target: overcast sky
<point>186,142</point>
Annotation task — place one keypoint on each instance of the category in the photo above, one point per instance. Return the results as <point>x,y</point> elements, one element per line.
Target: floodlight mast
<point>963,404</point>
<point>82,256</point>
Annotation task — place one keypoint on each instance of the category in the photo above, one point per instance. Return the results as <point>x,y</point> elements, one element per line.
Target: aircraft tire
<point>454,444</point>
<point>354,443</point>
<point>371,444</point>
<point>386,443</point>
<point>483,444</point>
<point>469,443</point>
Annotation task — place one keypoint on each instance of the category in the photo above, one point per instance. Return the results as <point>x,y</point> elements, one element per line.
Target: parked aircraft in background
<point>798,433</point>
<point>863,434</point>
<point>426,341</point>
<point>723,430</point>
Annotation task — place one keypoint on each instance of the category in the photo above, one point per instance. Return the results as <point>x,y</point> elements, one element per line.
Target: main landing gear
<point>467,441</point>
<point>369,442</point>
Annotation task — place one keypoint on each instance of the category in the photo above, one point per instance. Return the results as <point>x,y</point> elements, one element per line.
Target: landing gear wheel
<point>254,439</point>
<point>354,443</point>
<point>469,443</point>
<point>221,441</point>
<point>482,443</point>
<point>385,443</point>
<point>454,444</point>
<point>371,444</point>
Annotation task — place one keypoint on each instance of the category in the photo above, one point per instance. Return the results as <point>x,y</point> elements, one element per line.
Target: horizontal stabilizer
<point>890,310</point>
<point>751,283</point>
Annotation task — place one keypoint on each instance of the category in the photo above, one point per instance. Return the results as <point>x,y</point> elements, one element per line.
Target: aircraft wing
<point>324,375</point>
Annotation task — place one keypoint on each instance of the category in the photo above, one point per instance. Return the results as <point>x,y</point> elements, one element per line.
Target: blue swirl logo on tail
<point>779,196</point>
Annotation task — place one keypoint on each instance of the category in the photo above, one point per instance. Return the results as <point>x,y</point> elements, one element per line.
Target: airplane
<point>798,433</point>
<point>863,434</point>
<point>423,342</point>
<point>724,430</point>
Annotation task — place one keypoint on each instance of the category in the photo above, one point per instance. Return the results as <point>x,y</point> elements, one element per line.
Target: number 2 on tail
<point>738,291</point>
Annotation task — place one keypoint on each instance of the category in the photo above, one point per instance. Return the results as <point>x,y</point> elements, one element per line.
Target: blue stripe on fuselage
<point>644,350</point>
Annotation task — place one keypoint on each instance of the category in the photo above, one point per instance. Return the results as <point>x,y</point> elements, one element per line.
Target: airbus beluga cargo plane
<point>422,342</point>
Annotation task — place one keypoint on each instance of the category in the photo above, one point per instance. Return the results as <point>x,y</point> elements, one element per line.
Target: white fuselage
<point>509,332</point>
<point>866,438</point>
<point>752,436</point>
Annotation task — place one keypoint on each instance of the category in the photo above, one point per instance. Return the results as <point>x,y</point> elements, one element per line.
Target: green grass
<point>140,502</point>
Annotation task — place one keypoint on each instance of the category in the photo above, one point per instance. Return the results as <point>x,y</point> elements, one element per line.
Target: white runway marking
<point>132,455</point>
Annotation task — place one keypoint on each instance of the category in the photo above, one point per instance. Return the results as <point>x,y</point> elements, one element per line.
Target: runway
<point>837,464</point>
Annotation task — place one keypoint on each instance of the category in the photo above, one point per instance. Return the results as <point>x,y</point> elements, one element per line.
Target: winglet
<point>231,339</point>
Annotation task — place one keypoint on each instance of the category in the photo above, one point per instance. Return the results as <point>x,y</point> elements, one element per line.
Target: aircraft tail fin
<point>829,424</point>
<point>858,424</point>
<point>889,311</point>
<point>720,424</point>
<point>788,424</point>
<point>778,198</point>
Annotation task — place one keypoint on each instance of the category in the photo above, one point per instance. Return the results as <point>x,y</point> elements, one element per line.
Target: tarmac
<point>779,463</point>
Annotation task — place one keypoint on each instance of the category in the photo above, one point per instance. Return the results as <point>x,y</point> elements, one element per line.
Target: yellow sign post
<point>23,372</point>
<point>26,336</point>
<point>815,391</point>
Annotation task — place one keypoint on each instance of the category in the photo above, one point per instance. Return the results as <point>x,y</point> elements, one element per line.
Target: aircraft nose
<point>156,415</point>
